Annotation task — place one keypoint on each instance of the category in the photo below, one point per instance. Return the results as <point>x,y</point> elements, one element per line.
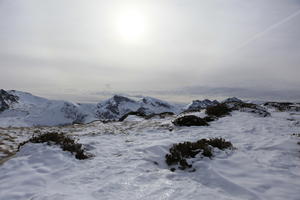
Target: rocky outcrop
<point>6,100</point>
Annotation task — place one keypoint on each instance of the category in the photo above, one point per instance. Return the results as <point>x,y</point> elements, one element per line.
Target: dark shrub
<point>219,143</point>
<point>209,118</point>
<point>296,134</point>
<point>66,143</point>
<point>190,120</point>
<point>219,110</point>
<point>146,116</point>
<point>181,151</point>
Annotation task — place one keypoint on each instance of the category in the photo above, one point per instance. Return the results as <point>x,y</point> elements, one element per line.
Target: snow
<point>129,162</point>
<point>117,106</point>
<point>31,110</point>
<point>198,104</point>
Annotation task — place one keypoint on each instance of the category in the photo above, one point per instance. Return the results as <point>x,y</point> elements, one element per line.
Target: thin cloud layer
<point>59,45</point>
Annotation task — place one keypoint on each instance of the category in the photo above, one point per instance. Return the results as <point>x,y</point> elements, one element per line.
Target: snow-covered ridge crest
<point>24,109</point>
<point>197,105</point>
<point>118,106</point>
<point>30,110</point>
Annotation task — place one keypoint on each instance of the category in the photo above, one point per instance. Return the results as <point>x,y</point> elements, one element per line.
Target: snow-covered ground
<point>129,163</point>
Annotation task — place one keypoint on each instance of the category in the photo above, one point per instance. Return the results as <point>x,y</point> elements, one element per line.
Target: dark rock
<point>6,100</point>
<point>190,120</point>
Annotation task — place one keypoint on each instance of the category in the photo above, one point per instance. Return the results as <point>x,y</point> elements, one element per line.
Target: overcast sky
<point>60,47</point>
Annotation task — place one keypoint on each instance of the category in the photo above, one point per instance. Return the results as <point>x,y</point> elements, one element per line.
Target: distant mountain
<point>6,100</point>
<point>118,106</point>
<point>197,105</point>
<point>24,109</point>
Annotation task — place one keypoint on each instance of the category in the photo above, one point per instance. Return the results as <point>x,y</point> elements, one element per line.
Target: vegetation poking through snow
<point>66,143</point>
<point>145,116</point>
<point>209,118</point>
<point>296,134</point>
<point>190,120</point>
<point>219,110</point>
<point>182,151</point>
<point>283,106</point>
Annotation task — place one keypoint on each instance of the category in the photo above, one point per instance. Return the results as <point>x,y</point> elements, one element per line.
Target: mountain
<point>6,100</point>
<point>115,107</point>
<point>197,105</point>
<point>118,106</point>
<point>24,109</point>
<point>237,104</point>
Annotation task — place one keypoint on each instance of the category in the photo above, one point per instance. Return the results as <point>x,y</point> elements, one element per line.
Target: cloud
<point>46,47</point>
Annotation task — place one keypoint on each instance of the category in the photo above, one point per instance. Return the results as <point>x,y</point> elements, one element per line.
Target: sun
<point>131,25</point>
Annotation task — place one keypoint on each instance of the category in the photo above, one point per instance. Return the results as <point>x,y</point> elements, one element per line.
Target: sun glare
<point>131,25</point>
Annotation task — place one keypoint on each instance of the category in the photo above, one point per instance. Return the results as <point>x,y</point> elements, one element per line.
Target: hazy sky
<point>80,47</point>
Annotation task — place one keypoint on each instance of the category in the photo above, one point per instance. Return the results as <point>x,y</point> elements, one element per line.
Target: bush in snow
<point>219,110</point>
<point>190,120</point>
<point>145,116</point>
<point>66,143</point>
<point>182,151</point>
<point>283,106</point>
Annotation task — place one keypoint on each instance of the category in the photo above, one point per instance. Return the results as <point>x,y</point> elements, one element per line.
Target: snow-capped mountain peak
<point>197,105</point>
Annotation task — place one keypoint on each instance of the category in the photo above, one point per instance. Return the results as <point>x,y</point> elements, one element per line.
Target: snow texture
<point>129,162</point>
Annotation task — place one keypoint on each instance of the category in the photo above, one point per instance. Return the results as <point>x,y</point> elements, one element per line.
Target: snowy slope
<point>117,106</point>
<point>129,162</point>
<point>197,105</point>
<point>21,109</point>
<point>31,110</point>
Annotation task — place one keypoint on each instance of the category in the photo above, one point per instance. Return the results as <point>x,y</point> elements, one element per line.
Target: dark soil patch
<point>182,151</point>
<point>64,142</point>
<point>190,120</point>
